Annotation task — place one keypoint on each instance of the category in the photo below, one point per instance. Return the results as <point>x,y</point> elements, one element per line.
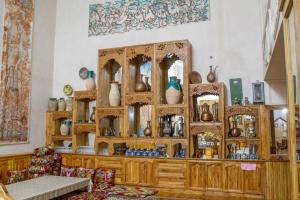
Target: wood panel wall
<point>13,162</point>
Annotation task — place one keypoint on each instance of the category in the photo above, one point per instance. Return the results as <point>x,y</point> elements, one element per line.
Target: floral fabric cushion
<point>103,179</point>
<point>14,176</point>
<point>48,159</point>
<point>89,196</point>
<point>43,151</point>
<point>41,169</point>
<point>140,192</point>
<point>85,173</point>
<point>68,171</point>
<point>35,175</point>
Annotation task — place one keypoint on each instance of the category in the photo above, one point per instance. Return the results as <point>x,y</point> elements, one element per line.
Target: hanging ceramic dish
<point>68,90</point>
<point>195,77</point>
<point>83,73</point>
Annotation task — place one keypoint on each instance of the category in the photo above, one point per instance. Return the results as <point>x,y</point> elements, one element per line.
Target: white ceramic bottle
<point>114,94</point>
<point>90,83</point>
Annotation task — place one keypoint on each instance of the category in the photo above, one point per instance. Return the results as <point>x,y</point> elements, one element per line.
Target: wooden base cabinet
<point>184,177</point>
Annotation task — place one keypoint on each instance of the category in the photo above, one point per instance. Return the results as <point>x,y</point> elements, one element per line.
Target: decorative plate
<point>83,73</point>
<point>195,77</point>
<point>68,90</point>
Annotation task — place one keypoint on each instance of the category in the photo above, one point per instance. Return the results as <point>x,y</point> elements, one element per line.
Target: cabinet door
<point>253,180</point>
<point>169,174</point>
<point>138,172</point>
<point>112,163</point>
<point>197,175</point>
<point>66,159</point>
<point>233,177</point>
<point>214,176</point>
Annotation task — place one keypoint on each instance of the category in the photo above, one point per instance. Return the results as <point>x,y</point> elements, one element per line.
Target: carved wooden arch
<point>132,52</point>
<point>141,99</point>
<point>109,54</point>
<point>196,129</point>
<point>201,89</point>
<point>102,113</point>
<point>161,112</point>
<point>177,48</point>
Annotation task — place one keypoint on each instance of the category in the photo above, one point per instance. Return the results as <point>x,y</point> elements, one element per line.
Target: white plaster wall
<point>42,74</point>
<point>1,28</point>
<point>233,37</point>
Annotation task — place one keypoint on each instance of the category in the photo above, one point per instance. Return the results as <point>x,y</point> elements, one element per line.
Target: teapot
<point>205,113</point>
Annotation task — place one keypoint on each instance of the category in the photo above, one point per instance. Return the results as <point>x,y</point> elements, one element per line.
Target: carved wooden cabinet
<point>233,177</point>
<point>138,172</point>
<point>112,163</point>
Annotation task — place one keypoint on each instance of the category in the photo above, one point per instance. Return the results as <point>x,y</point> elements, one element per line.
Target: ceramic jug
<point>90,83</point>
<point>140,86</point>
<point>61,104</point>
<point>205,113</point>
<point>234,131</point>
<point>173,93</point>
<point>167,129</point>
<point>211,76</point>
<point>65,127</point>
<point>114,94</point>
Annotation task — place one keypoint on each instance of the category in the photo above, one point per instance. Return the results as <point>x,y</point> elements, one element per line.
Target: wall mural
<point>15,84</point>
<point>126,15</point>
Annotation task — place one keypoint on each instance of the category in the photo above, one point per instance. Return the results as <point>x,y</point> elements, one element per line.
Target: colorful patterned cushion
<point>14,176</point>
<point>43,151</point>
<point>48,159</point>
<point>140,192</point>
<point>41,169</point>
<point>89,196</point>
<point>35,175</point>
<point>85,172</point>
<point>68,171</point>
<point>103,179</point>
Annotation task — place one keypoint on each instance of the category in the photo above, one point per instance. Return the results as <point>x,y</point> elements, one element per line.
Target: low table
<point>46,187</point>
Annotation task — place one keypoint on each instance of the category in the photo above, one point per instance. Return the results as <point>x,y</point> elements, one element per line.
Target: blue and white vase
<point>173,93</point>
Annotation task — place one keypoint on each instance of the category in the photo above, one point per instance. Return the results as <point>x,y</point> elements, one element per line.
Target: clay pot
<point>140,86</point>
<point>114,94</point>
<point>69,104</point>
<point>173,93</point>
<point>211,76</point>
<point>52,104</point>
<point>147,130</point>
<point>61,104</point>
<point>90,83</point>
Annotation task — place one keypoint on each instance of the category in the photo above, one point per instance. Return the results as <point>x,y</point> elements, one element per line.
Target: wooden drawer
<point>170,174</point>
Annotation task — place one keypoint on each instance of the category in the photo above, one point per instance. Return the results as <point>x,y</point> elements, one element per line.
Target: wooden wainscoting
<point>195,179</point>
<point>13,162</point>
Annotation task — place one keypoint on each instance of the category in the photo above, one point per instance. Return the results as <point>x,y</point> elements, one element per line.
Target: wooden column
<point>291,107</point>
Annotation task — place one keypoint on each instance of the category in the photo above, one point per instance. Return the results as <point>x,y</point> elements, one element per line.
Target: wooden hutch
<point>231,166</point>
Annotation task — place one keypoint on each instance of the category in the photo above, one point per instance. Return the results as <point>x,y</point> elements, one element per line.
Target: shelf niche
<point>139,65</point>
<point>168,125</point>
<point>112,71</point>
<point>103,149</point>
<point>171,65</point>
<point>111,126</point>
<point>207,145</point>
<point>138,116</point>
<point>206,99</point>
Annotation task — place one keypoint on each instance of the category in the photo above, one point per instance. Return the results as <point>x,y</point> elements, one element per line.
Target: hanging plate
<point>83,73</point>
<point>68,90</point>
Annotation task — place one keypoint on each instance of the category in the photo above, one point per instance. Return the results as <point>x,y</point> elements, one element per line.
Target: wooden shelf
<point>60,114</point>
<point>84,95</point>
<point>243,139</point>
<point>206,124</point>
<point>139,97</point>
<point>61,137</point>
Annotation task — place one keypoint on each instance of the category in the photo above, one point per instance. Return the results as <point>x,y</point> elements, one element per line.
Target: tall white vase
<point>114,94</point>
<point>90,82</point>
<point>91,139</point>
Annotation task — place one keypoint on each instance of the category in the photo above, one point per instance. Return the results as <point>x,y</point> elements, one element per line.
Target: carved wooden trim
<point>242,110</point>
<point>102,113</point>
<point>199,128</point>
<point>178,48</point>
<point>147,51</point>
<point>200,89</point>
<point>109,54</point>
<point>139,98</point>
<point>170,111</point>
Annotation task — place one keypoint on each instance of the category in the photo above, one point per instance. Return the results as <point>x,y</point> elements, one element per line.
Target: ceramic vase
<point>114,94</point>
<point>211,76</point>
<point>147,83</point>
<point>91,139</point>
<point>65,128</point>
<point>173,93</point>
<point>90,83</point>
<point>147,130</point>
<point>92,117</point>
<point>61,104</point>
<point>52,104</point>
<point>69,104</point>
<point>140,86</point>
